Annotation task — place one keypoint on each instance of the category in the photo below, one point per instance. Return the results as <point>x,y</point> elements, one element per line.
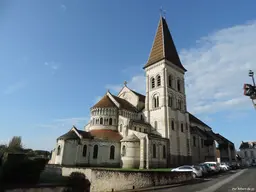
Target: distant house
<point>248,152</point>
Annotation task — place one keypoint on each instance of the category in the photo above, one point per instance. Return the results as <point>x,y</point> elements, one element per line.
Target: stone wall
<point>103,180</point>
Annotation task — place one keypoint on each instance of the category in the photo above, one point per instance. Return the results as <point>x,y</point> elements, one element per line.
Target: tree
<point>15,144</point>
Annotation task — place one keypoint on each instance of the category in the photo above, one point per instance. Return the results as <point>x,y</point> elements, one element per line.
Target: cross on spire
<point>125,83</point>
<point>162,12</point>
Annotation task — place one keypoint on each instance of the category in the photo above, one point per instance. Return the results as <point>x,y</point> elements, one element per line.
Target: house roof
<point>194,119</point>
<point>106,134</point>
<point>140,122</point>
<point>164,47</point>
<point>131,138</point>
<point>125,104</point>
<point>247,145</point>
<point>71,135</point>
<point>223,138</point>
<point>105,102</point>
<point>141,97</point>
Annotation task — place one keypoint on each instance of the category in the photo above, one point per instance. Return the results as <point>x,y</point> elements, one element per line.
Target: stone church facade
<point>132,130</point>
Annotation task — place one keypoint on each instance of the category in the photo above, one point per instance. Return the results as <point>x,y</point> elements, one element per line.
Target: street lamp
<point>251,74</point>
<point>250,90</point>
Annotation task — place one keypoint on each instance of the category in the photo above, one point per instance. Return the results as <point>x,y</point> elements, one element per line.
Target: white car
<point>196,170</point>
<point>224,167</point>
<point>214,166</point>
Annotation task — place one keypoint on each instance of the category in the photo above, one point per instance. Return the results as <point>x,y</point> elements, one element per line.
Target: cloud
<point>217,69</point>
<point>217,66</point>
<point>80,122</point>
<point>54,66</point>
<point>15,87</point>
<point>63,7</point>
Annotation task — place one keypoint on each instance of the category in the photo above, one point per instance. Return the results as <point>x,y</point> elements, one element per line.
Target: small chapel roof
<point>75,134</point>
<point>106,134</point>
<point>71,135</point>
<point>131,138</point>
<point>105,102</point>
<point>164,47</point>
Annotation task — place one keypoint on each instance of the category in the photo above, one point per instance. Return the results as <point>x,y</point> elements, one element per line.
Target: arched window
<point>110,121</point>
<point>164,152</point>
<point>156,125</point>
<point>121,128</point>
<point>181,127</point>
<point>154,150</point>
<point>123,150</point>
<point>179,103</point>
<point>173,125</point>
<point>156,101</point>
<point>170,100</point>
<point>245,154</point>
<point>141,117</point>
<point>84,150</point>
<point>101,120</point>
<point>95,151</point>
<point>153,83</point>
<point>178,85</point>
<point>170,80</point>
<point>140,129</point>
<point>135,128</point>
<point>158,80</point>
<point>112,152</point>
<point>58,150</point>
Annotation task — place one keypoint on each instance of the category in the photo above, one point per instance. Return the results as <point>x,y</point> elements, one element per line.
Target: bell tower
<point>165,105</point>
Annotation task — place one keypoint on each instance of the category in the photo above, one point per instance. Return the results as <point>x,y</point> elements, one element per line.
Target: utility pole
<point>250,90</point>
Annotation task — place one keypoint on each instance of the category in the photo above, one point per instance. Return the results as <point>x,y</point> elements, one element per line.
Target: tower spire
<point>163,47</point>
<point>162,12</point>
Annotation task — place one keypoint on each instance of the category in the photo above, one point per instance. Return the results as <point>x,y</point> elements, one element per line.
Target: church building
<point>132,130</point>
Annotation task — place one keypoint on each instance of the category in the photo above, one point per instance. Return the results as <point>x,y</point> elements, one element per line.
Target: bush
<point>79,182</point>
<point>19,169</point>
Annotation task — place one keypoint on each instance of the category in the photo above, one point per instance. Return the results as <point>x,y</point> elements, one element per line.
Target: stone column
<point>142,153</point>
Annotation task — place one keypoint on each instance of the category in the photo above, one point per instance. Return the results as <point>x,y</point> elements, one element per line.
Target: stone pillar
<point>143,153</point>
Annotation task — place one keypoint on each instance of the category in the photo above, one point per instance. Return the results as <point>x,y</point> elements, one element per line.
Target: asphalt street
<point>244,182</point>
<point>235,180</point>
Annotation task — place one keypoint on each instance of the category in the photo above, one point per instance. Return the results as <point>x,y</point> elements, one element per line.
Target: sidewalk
<point>193,181</point>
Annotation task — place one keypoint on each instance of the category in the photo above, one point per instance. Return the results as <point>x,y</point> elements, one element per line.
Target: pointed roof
<point>164,47</point>
<point>105,102</point>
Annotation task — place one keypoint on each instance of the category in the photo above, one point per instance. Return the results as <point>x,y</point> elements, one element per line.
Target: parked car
<point>224,167</point>
<point>196,171</point>
<point>208,168</point>
<point>214,166</point>
<point>205,169</point>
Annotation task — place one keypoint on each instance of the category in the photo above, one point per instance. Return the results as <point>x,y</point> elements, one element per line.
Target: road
<point>239,180</point>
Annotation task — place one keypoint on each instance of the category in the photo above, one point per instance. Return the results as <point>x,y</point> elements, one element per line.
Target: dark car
<point>207,169</point>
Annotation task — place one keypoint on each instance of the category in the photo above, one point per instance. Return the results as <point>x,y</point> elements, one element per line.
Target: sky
<point>59,57</point>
